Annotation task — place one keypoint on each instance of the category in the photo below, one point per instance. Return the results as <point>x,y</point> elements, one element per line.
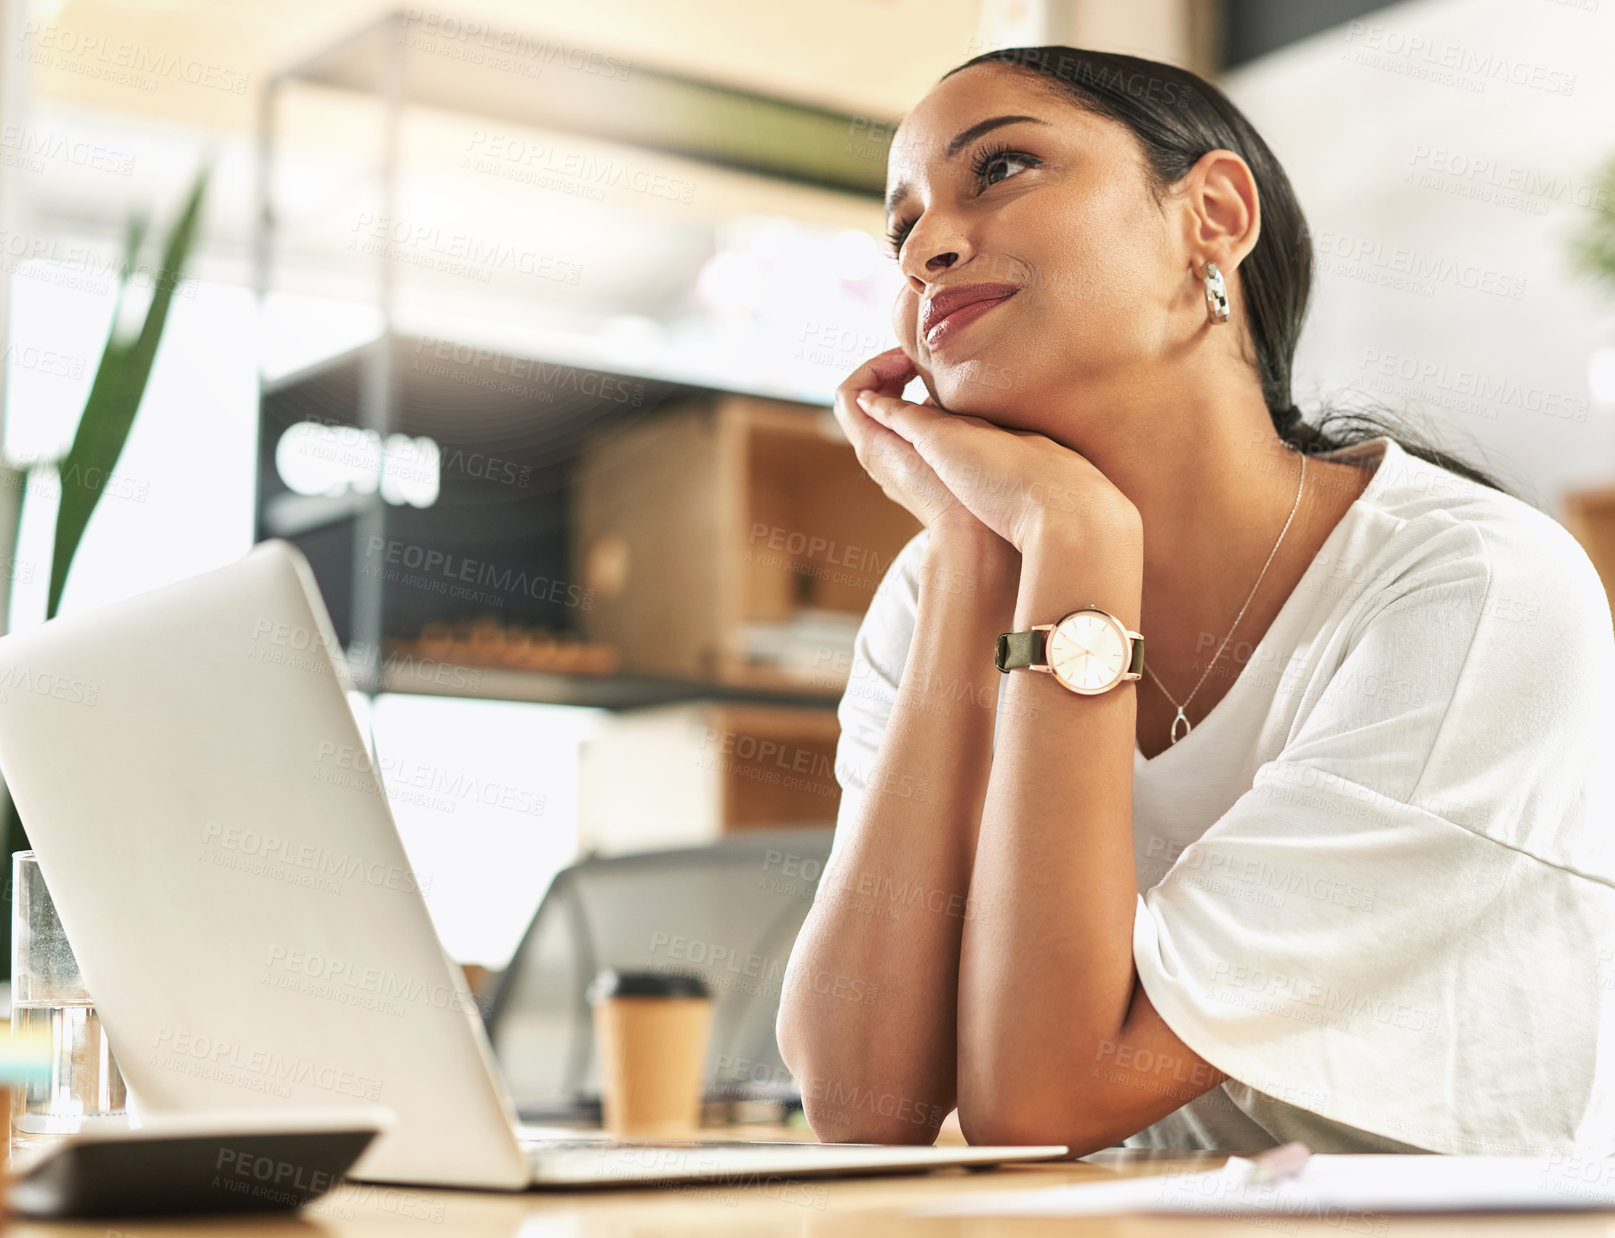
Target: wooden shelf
<point>616,99</point>
<point>785,466</point>
<point>755,152</point>
<point>687,774</point>
<point>726,524</point>
<point>599,691</point>
<point>1590,517</point>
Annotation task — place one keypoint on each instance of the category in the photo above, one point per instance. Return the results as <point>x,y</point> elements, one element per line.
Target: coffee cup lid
<point>614,983</point>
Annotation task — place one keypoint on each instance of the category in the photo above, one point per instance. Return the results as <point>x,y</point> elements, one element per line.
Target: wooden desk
<point>823,1208</point>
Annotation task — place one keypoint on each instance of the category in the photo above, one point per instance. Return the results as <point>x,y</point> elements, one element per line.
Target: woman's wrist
<point>1068,568</point>
<point>976,563</point>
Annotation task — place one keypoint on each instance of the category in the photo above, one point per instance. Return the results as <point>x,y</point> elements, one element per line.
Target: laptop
<point>224,862</point>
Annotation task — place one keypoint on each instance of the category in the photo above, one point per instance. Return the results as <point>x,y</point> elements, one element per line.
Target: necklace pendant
<point>1180,718</point>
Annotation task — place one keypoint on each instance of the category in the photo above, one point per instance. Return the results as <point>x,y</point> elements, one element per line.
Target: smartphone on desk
<point>222,1162</point>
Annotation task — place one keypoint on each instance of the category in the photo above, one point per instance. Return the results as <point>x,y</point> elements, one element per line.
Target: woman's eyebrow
<point>959,142</point>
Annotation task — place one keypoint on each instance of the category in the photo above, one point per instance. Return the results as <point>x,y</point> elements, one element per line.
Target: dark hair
<point>1177,116</point>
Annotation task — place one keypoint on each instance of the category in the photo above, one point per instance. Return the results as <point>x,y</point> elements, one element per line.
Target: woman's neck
<point>1212,513</point>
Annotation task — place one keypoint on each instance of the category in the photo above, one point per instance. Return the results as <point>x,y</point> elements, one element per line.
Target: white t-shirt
<point>1377,880</point>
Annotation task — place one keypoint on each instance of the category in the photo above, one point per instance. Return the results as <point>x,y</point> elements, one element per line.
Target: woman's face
<point>1056,209</point>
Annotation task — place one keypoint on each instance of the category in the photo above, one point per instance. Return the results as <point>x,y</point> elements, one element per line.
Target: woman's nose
<point>930,257</point>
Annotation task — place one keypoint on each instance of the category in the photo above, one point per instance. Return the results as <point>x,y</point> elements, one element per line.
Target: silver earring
<point>1216,294</point>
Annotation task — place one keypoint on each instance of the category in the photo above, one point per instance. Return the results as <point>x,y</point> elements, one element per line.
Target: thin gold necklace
<point>1182,717</point>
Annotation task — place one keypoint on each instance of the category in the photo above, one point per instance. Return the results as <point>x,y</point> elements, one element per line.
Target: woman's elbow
<point>845,1120</point>
<point>1027,1123</point>
<point>847,1111</point>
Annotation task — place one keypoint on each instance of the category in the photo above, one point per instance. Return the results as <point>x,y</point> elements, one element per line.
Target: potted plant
<point>103,429</point>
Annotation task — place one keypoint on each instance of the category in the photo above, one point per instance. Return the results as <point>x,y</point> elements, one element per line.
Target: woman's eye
<point>982,166</point>
<point>1003,159</point>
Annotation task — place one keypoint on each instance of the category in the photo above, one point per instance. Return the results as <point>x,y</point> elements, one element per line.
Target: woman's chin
<point>975,385</point>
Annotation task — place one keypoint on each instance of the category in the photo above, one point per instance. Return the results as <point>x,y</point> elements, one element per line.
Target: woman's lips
<point>945,328</point>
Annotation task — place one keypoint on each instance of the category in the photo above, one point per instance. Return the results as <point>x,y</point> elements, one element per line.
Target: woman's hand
<point>1020,484</point>
<point>889,458</point>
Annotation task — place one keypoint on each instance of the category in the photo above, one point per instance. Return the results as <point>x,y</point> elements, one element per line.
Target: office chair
<point>728,912</point>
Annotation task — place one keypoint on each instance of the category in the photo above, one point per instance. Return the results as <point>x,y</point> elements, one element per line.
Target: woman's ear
<point>1224,212</point>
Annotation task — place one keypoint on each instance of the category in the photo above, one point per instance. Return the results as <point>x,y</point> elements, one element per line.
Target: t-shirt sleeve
<point>879,653</point>
<point>1397,925</point>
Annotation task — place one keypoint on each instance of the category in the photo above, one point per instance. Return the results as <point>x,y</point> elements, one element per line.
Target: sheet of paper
<point>1329,1186</point>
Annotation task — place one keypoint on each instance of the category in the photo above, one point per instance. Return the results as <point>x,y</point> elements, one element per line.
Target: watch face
<point>1087,651</point>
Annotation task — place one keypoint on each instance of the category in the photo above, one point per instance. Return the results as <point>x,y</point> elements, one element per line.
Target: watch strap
<point>1018,650</point>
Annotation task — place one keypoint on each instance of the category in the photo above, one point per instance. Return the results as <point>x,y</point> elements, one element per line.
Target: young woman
<point>1338,865</point>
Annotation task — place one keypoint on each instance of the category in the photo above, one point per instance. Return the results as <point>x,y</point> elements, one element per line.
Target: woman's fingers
<point>893,365</point>
<point>890,372</point>
<point>907,418</point>
<point>885,454</point>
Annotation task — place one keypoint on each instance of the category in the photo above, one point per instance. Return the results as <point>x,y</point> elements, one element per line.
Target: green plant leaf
<point>1592,246</point>
<point>117,389</point>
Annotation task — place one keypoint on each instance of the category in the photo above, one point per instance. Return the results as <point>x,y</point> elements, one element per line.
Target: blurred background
<point>522,321</point>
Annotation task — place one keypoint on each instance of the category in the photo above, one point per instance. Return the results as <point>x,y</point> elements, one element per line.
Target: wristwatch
<point>1089,651</point>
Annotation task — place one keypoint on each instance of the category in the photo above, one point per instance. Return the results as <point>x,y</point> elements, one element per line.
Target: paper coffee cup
<point>651,1030</point>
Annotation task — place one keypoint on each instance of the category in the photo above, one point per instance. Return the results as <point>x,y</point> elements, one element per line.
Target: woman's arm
<point>891,908</point>
<point>1057,1041</point>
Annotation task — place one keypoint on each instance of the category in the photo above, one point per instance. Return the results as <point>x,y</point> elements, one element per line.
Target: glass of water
<point>49,1002</point>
